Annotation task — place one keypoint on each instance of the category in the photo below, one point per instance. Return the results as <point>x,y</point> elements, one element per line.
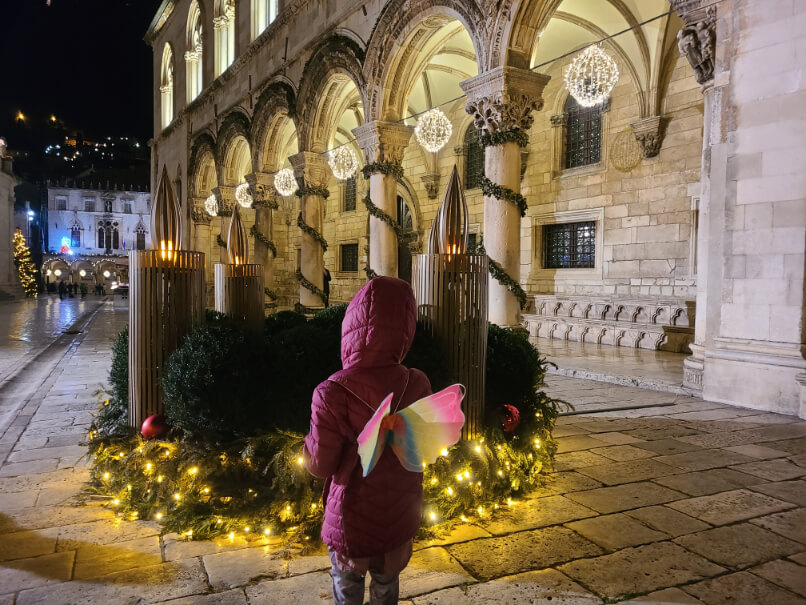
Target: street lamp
<point>30,219</point>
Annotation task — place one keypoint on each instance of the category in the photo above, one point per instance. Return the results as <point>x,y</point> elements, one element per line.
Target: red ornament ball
<point>511,418</point>
<point>155,427</point>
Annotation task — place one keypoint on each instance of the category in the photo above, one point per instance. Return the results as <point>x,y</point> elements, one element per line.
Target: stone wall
<point>9,280</point>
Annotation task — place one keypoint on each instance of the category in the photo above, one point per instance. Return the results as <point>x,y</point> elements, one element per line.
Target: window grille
<point>141,240</point>
<point>349,194</point>
<point>101,237</point>
<point>89,205</point>
<point>349,257</point>
<point>75,237</point>
<point>61,203</point>
<point>583,134</point>
<point>127,207</point>
<point>569,245</point>
<point>474,158</point>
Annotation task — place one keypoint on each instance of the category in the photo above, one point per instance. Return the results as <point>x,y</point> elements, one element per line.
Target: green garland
<point>221,241</point>
<point>255,232</point>
<point>502,277</point>
<point>270,293</point>
<point>503,193</point>
<point>224,213</point>
<point>270,203</point>
<point>514,135</point>
<point>311,287</point>
<point>314,190</point>
<point>381,215</point>
<point>370,272</point>
<point>306,228</point>
<point>393,168</point>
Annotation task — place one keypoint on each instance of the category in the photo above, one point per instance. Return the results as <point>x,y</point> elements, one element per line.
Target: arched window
<point>224,26</point>
<point>263,13</point>
<point>583,134</point>
<point>115,238</point>
<point>474,158</point>
<point>101,238</point>
<point>194,52</point>
<point>167,86</point>
<point>75,236</point>
<point>140,236</point>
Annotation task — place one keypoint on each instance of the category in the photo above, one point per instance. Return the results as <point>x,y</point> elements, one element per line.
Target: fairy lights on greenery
<point>255,232</point>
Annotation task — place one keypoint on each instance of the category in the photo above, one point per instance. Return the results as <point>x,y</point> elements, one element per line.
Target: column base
<point>693,369</point>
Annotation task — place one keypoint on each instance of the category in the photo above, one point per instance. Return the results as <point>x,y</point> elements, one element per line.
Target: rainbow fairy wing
<point>370,441</point>
<point>431,423</point>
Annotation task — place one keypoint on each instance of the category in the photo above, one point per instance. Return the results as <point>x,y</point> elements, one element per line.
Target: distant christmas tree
<point>22,260</point>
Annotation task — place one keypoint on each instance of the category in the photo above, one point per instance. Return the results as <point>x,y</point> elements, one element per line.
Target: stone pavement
<point>683,501</point>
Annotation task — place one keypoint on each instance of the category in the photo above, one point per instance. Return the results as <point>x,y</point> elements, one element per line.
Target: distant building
<point>9,282</point>
<point>97,221</point>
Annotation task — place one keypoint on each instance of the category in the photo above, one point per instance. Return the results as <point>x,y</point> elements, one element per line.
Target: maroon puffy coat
<point>367,516</point>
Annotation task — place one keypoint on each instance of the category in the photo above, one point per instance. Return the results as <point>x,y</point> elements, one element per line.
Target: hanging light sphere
<point>242,195</point>
<point>433,129</point>
<point>343,163</point>
<point>284,182</point>
<point>211,206</point>
<point>591,76</point>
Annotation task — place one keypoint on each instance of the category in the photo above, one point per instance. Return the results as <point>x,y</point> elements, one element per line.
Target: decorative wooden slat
<point>166,301</point>
<point>239,292</point>
<point>451,293</point>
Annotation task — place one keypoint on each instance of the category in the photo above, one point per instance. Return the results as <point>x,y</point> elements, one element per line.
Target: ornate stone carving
<point>559,119</point>
<point>697,39</point>
<point>383,141</point>
<point>310,169</point>
<point>226,199</point>
<point>649,134</point>
<point>431,182</point>
<point>504,98</point>
<point>199,214</point>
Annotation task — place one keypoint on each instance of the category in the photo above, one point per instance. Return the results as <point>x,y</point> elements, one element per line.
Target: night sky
<point>83,61</point>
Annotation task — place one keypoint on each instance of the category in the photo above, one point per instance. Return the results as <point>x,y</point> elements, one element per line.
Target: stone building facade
<point>9,280</point>
<point>677,199</point>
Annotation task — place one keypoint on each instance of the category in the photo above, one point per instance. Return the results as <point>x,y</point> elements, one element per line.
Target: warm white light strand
<point>211,206</point>
<point>284,182</point>
<point>343,163</point>
<point>433,129</point>
<point>242,195</point>
<point>591,76</point>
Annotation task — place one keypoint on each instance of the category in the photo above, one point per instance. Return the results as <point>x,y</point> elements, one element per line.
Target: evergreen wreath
<point>503,193</point>
<point>270,293</point>
<point>221,241</point>
<point>224,212</point>
<point>393,168</point>
<point>306,228</point>
<point>255,232</point>
<point>381,215</point>
<point>310,287</point>
<point>313,190</point>
<point>269,203</point>
<point>515,135</point>
<point>503,278</point>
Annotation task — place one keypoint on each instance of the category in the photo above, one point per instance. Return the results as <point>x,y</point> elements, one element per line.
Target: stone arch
<point>202,164</point>
<point>276,105</point>
<point>402,25</point>
<point>167,79</point>
<point>236,125</point>
<point>333,66</point>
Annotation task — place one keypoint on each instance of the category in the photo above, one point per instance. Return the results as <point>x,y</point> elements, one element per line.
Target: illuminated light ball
<point>57,272</point>
<point>154,427</point>
<point>211,206</point>
<point>82,273</point>
<point>107,274</point>
<point>343,163</point>
<point>284,182</point>
<point>510,418</point>
<point>433,129</point>
<point>591,76</point>
<point>243,195</point>
<point>49,272</point>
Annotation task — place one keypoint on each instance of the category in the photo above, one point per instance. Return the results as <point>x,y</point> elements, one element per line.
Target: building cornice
<point>163,13</point>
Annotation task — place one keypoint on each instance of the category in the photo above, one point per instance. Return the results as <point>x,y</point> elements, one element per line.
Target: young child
<point>369,522</point>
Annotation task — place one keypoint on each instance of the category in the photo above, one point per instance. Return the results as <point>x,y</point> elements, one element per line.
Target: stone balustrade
<point>660,325</point>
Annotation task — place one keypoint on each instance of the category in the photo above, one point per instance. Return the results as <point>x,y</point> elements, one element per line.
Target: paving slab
<point>704,459</point>
<point>497,557</point>
<point>785,574</point>
<point>613,532</point>
<point>25,544</point>
<point>667,596</point>
<point>297,590</point>
<point>625,497</point>
<point>795,446</point>
<point>93,560</point>
<point>539,512</point>
<point>563,483</point>
<point>791,524</point>
<point>757,451</point>
<point>628,472</point>
<point>544,586</point>
<point>27,573</point>
<point>772,470</point>
<point>618,438</point>
<point>729,507</point>
<point>742,587</point>
<point>640,570</point>
<point>578,460</point>
<point>712,481</point>
<point>429,570</point>
<point>239,567</point>
<point>622,453</point>
<point>740,545</point>
<point>668,520</point>
<point>578,442</point>
<point>230,597</point>
<point>789,491</point>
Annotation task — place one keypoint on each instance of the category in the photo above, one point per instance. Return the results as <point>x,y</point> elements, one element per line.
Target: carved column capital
<point>261,186</point>
<point>696,40</point>
<point>225,196</point>
<point>649,134</point>
<point>198,213</point>
<point>431,182</point>
<point>310,169</point>
<point>504,98</point>
<point>559,119</point>
<point>383,141</point>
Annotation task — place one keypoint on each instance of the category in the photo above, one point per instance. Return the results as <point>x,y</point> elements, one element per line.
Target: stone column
<point>502,100</point>
<point>383,142</point>
<point>311,170</point>
<point>201,243</point>
<point>226,202</point>
<point>264,201</point>
<point>697,42</point>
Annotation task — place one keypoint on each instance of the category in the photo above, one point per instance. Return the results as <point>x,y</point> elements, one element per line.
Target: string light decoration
<point>284,182</point>
<point>433,129</point>
<point>243,196</point>
<point>591,76</point>
<point>211,206</point>
<point>24,264</point>
<point>343,163</point>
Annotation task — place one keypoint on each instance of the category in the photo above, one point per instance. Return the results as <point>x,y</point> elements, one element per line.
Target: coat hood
<point>379,324</point>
